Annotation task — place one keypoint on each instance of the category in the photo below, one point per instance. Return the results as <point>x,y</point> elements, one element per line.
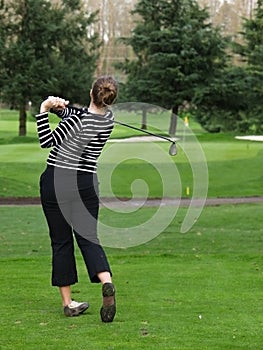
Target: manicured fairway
<point>235,167</point>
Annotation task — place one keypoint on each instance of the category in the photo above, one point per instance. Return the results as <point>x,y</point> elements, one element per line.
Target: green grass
<point>201,290</point>
<point>235,167</point>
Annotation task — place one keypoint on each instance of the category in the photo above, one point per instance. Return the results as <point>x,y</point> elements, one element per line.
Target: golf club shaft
<point>144,131</point>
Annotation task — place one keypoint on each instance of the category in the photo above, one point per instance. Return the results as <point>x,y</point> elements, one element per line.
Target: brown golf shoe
<point>108,309</point>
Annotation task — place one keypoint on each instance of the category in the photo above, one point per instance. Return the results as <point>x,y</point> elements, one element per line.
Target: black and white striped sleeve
<point>66,112</point>
<point>49,138</point>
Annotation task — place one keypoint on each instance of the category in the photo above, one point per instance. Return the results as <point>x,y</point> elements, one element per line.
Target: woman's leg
<point>85,209</point>
<point>64,272</point>
<point>84,218</point>
<point>99,271</point>
<point>104,277</point>
<point>95,260</point>
<point>65,293</point>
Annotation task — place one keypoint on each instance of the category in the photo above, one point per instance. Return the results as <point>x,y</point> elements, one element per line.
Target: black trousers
<point>70,203</point>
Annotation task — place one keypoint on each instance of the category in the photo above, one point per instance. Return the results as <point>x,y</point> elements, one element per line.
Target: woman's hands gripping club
<point>53,102</point>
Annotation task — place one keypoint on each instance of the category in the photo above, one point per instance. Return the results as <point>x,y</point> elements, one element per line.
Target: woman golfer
<point>69,191</point>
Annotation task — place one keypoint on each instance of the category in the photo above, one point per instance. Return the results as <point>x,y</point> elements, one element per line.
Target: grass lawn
<point>235,167</point>
<point>201,290</point>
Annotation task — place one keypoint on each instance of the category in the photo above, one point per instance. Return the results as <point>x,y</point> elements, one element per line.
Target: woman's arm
<point>66,127</point>
<point>66,112</point>
<point>53,102</point>
<point>59,106</point>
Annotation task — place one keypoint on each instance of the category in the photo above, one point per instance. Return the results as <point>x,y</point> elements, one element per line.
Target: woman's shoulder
<point>84,112</point>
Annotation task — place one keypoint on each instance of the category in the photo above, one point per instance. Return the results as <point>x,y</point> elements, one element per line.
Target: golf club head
<point>173,149</point>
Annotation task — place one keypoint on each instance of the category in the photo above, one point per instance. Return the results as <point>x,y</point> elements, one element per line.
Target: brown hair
<point>104,91</point>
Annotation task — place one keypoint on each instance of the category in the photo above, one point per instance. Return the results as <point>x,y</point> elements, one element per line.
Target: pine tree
<point>45,50</point>
<point>177,51</point>
<point>251,52</point>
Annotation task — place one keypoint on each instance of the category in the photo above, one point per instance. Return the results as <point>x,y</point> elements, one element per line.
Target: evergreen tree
<point>251,49</point>
<point>45,49</point>
<point>222,104</point>
<point>252,53</point>
<point>177,51</point>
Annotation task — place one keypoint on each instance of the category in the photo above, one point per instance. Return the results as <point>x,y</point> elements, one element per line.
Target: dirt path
<point>114,202</point>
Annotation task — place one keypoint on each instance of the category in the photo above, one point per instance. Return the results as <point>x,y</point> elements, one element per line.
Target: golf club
<point>172,149</point>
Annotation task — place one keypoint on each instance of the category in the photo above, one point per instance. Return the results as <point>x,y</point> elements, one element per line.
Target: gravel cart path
<point>150,202</point>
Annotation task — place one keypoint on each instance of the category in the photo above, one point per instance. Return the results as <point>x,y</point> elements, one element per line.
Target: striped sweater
<point>78,139</point>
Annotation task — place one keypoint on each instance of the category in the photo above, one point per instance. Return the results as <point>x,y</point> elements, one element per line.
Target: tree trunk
<point>173,122</point>
<point>22,120</point>
<point>144,119</point>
